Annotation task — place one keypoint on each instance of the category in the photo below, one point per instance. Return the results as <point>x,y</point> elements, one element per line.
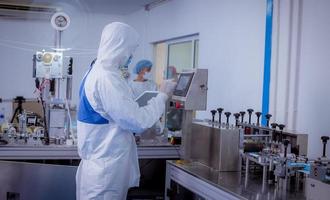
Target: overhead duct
<point>26,11</point>
<point>154,4</point>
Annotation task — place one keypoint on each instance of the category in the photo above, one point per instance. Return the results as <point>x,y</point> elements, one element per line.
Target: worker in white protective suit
<point>108,115</point>
<point>142,82</point>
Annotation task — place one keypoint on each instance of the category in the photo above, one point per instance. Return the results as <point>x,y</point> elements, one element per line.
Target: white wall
<point>314,91</point>
<point>302,62</point>
<point>231,34</point>
<point>300,94</point>
<point>82,37</point>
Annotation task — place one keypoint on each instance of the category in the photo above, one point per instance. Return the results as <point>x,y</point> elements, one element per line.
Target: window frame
<point>184,39</point>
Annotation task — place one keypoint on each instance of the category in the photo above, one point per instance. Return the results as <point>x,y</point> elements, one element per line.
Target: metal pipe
<point>58,40</point>
<point>246,171</point>
<point>69,88</point>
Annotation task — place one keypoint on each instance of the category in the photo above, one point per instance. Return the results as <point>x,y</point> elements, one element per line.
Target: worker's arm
<point>121,107</point>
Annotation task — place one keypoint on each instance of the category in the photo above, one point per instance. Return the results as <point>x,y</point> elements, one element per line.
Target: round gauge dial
<point>47,58</point>
<point>60,21</point>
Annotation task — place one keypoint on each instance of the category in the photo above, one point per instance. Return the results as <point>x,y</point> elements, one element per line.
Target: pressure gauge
<point>60,21</point>
<point>47,59</point>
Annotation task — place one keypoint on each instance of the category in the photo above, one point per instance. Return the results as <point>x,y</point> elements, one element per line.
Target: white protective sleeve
<point>122,108</point>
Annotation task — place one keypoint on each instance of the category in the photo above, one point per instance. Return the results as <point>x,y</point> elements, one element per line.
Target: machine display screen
<point>183,84</point>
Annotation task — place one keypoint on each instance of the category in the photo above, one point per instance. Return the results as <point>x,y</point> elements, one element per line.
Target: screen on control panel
<point>183,84</point>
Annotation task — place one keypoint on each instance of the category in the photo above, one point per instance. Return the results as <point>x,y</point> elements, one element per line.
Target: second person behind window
<point>143,81</point>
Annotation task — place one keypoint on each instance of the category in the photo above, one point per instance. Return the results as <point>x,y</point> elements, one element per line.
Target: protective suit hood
<point>118,42</point>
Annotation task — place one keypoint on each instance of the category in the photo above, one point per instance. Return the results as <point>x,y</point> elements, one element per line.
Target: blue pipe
<point>267,60</point>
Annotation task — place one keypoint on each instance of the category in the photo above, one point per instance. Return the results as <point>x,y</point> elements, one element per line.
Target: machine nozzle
<point>281,127</point>
<point>242,116</point>
<point>227,115</point>
<point>274,125</point>
<point>268,116</point>
<point>236,115</point>
<point>213,112</point>
<point>324,141</point>
<point>250,111</point>
<point>258,114</point>
<point>220,113</point>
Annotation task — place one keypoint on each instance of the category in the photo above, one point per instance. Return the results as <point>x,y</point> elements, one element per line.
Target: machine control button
<point>178,105</point>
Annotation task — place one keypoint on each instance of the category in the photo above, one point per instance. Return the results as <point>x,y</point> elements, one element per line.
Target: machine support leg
<point>264,177</point>
<point>246,171</point>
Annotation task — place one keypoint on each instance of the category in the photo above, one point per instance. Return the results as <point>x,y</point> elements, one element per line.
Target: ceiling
<point>115,7</point>
<point>120,7</point>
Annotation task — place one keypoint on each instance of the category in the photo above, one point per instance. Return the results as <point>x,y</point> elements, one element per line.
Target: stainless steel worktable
<point>211,184</point>
<point>63,152</point>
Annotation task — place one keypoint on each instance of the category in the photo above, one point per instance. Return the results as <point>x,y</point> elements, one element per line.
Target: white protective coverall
<point>107,116</point>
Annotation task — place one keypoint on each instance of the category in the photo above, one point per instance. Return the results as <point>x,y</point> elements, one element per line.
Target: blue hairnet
<point>142,64</point>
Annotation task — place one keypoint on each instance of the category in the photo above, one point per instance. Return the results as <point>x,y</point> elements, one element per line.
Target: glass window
<point>175,56</point>
<point>180,55</point>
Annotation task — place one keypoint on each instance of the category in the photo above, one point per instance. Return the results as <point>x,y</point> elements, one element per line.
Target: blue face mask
<point>124,69</point>
<point>129,60</point>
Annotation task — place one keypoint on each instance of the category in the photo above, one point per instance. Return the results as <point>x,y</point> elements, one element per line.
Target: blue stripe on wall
<point>267,60</point>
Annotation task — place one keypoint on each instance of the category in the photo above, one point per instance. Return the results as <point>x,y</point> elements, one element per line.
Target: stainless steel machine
<point>318,182</point>
<point>280,154</point>
<point>207,147</point>
<point>271,135</point>
<point>53,73</point>
<point>189,95</point>
<point>274,161</point>
<point>21,180</point>
<point>214,146</point>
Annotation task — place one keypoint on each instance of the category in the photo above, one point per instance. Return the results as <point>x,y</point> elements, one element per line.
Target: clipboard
<point>143,99</point>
